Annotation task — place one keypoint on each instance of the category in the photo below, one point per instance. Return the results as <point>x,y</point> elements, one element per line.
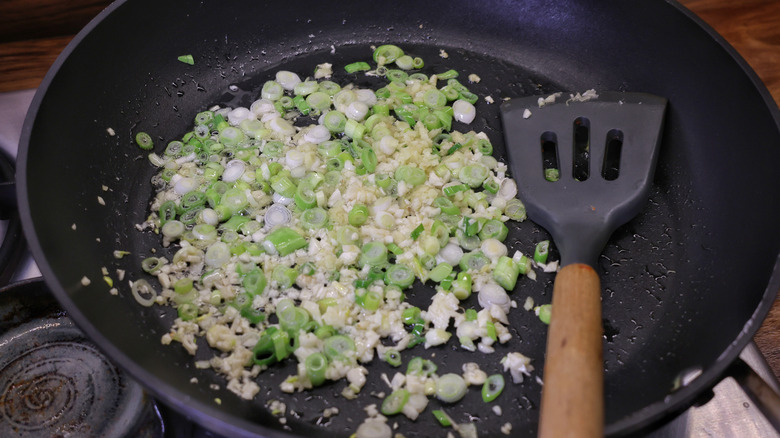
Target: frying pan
<point>686,284</point>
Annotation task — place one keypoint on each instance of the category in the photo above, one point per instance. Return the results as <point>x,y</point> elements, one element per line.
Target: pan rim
<point>209,417</point>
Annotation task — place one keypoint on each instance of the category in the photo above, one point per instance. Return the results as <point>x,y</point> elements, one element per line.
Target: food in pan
<point>301,221</point>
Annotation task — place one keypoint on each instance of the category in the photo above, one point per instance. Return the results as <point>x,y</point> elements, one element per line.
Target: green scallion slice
<point>399,275</point>
<point>316,364</point>
<point>450,388</point>
<point>395,402</point>
<point>144,141</point>
<point>492,387</point>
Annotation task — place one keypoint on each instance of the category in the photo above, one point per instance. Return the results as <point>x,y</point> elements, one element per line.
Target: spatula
<point>583,167</point>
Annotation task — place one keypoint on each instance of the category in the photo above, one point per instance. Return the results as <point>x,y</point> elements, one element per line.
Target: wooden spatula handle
<point>573,391</point>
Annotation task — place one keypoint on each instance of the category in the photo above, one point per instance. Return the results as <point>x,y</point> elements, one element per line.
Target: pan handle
<point>763,396</point>
<point>573,392</point>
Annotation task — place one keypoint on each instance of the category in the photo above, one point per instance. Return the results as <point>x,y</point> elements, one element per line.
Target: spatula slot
<point>550,164</point>
<point>581,163</point>
<point>611,169</point>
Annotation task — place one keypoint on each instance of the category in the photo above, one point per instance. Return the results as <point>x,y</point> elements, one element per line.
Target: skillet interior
<point>685,284</point>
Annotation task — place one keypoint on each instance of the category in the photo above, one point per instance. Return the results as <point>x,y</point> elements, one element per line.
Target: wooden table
<point>34,32</point>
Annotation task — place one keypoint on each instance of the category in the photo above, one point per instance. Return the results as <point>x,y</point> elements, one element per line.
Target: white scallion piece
<point>185,185</point>
<point>238,115</point>
<point>356,111</point>
<point>262,106</point>
<point>287,79</point>
<point>277,215</point>
<point>233,170</point>
<point>463,111</point>
<point>317,134</point>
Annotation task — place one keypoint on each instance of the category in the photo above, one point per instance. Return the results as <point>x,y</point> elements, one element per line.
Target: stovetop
<point>728,414</point>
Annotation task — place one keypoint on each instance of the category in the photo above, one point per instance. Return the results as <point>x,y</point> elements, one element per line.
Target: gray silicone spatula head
<point>583,166</point>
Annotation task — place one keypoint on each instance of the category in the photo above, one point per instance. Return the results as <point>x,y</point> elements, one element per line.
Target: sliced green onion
<point>494,229</point>
<point>187,59</point>
<point>347,235</point>
<point>395,402</point>
<point>492,387</point>
<point>284,241</point>
<point>358,215</point>
<point>453,189</point>
<point>397,75</point>
<point>357,66</point>
<point>304,197</point>
<point>283,185</point>
<point>368,158</point>
<point>284,276</point>
<point>399,275</point>
<point>475,261</point>
<point>301,104</point>
<point>373,254</point>
<point>506,272</point>
<point>314,218</point>
<point>450,92</point>
<point>473,174</point>
<point>152,265</point>
<point>454,148</point>
<point>411,315</point>
<point>545,311</point>
<point>515,210</point>
<point>254,281</point>
<point>273,149</point>
<point>468,243</point>
<point>371,300</point>
<point>413,176</point>
<point>187,311</point>
<point>461,286</point>
<point>468,96</point>
<point>541,251</point>
<point>491,186</point>
<point>324,332</point>
<point>434,98</point>
<point>449,74</point>
<point>484,147</point>
<point>383,181</point>
<point>408,113</point>
<point>144,141</point>
<point>353,129</point>
<point>292,318</point>
<point>167,212</point>
<point>417,231</point>
<point>446,205</point>
<point>552,174</point>
<point>421,367</point>
<point>272,91</point>
<point>335,121</point>
<point>393,357</point>
<point>329,87</point>
<point>405,62</point>
<point>318,101</point>
<point>440,272</point>
<point>418,63</point>
<point>442,417</point>
<point>387,54</point>
<point>395,249</point>
<point>338,347</point>
<point>182,286</point>
<point>316,364</point>
<point>450,388</point>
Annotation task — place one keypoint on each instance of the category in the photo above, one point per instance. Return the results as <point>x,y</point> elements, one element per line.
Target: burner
<point>55,383</point>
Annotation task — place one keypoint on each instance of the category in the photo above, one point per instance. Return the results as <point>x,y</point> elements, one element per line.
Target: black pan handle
<point>763,396</point>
